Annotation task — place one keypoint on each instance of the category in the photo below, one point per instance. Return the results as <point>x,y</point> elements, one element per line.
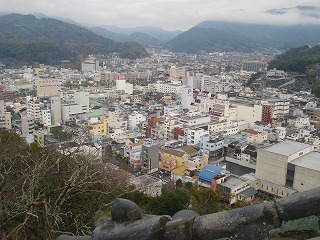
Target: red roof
<point>253,132</point>
<point>2,88</point>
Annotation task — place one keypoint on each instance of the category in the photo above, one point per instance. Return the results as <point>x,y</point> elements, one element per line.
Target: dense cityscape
<point>223,124</point>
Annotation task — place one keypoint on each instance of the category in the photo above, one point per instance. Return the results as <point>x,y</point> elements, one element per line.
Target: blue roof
<point>209,172</point>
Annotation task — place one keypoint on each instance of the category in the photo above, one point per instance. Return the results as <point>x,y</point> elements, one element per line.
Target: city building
<point>254,66</point>
<point>45,117</point>
<point>150,157</point>
<point>211,176</point>
<point>90,65</point>
<point>212,146</point>
<point>288,167</point>
<point>47,87</point>
<point>101,128</point>
<point>5,117</point>
<point>186,96</point>
<point>80,105</point>
<point>55,108</point>
<point>171,159</point>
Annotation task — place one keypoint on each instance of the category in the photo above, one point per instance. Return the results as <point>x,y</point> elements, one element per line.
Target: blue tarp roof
<point>209,172</point>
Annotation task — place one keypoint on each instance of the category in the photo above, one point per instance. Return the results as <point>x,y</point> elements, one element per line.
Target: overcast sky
<point>168,14</point>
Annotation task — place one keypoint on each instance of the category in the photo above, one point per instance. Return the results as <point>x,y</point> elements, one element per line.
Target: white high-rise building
<point>33,109</point>
<point>121,83</point>
<point>186,96</point>
<point>79,106</point>
<point>45,117</point>
<point>55,110</point>
<point>5,117</point>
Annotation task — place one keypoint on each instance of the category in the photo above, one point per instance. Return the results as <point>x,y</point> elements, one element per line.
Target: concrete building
<point>171,159</point>
<point>196,120</point>
<point>249,112</point>
<point>255,136</point>
<point>203,102</point>
<point>194,135</point>
<point>27,128</point>
<point>101,128</point>
<point>298,122</point>
<point>134,119</point>
<point>79,106</point>
<point>116,119</point>
<point>288,167</point>
<point>121,83</point>
<point>90,65</point>
<point>45,117</point>
<point>149,157</point>
<point>133,152</point>
<point>27,125</point>
<point>211,146</point>
<point>168,127</point>
<point>55,107</point>
<point>254,66</point>
<point>219,107</point>
<point>47,87</point>
<point>186,96</point>
<point>232,187</point>
<point>109,78</point>
<point>5,117</point>
<point>178,72</point>
<point>33,109</point>
<point>168,88</point>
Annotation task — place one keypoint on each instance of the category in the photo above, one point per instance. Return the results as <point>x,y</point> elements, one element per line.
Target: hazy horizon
<point>171,15</point>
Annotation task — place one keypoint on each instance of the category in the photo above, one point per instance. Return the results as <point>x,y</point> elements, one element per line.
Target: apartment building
<point>194,135</point>
<point>171,159</point>
<point>45,117</point>
<point>150,157</point>
<point>211,146</point>
<point>101,128</point>
<point>5,117</point>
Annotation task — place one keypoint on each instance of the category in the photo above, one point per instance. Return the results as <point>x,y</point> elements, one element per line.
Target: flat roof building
<point>288,167</point>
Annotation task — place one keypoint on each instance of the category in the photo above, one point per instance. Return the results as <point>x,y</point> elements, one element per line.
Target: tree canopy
<point>44,193</point>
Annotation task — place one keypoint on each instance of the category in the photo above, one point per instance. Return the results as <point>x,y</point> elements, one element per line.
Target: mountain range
<point>145,35</point>
<point>229,36</point>
<point>48,40</point>
<point>223,36</point>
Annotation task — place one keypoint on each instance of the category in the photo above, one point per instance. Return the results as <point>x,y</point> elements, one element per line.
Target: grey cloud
<point>170,14</point>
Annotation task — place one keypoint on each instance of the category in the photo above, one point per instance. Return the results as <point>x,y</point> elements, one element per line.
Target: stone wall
<point>252,222</point>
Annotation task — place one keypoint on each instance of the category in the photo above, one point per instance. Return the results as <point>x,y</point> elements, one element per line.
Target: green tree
<point>179,183</point>
<point>44,193</point>
<point>206,201</point>
<point>169,202</point>
<point>316,91</point>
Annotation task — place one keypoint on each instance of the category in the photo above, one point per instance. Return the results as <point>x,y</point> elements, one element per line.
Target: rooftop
<point>249,192</point>
<point>233,182</point>
<point>180,170</point>
<point>287,147</point>
<point>175,152</point>
<point>310,161</point>
<point>210,172</point>
<point>253,132</point>
<point>189,149</point>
